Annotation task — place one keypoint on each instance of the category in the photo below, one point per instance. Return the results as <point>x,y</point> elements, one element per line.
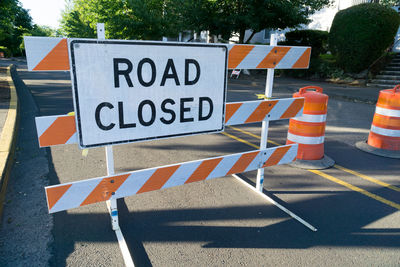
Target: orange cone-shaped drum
<point>385,128</point>
<point>309,130</point>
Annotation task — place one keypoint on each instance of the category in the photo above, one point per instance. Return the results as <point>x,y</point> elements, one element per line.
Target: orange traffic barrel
<point>309,130</point>
<point>385,128</point>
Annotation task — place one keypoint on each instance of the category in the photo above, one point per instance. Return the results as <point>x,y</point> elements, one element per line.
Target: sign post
<point>112,203</point>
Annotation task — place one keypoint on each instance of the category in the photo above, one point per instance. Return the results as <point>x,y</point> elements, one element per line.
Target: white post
<point>101,35</point>
<point>265,124</point>
<point>112,203</point>
<point>180,37</point>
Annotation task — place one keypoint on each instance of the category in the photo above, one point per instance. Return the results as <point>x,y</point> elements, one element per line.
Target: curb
<point>8,138</point>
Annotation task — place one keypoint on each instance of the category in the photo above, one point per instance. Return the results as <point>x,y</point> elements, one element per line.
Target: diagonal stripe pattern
<point>51,54</point>
<point>76,194</point>
<point>59,130</point>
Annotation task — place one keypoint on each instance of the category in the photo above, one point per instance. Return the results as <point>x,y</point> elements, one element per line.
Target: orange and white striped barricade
<point>309,130</point>
<point>53,54</point>
<point>384,136</point>
<point>61,130</point>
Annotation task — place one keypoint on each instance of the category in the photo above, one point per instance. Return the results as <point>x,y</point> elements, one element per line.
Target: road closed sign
<point>126,91</point>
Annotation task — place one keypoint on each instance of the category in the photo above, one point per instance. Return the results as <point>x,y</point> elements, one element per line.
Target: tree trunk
<point>241,35</point>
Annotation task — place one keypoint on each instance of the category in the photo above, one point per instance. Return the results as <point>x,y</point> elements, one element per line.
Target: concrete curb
<point>8,138</point>
<point>363,146</point>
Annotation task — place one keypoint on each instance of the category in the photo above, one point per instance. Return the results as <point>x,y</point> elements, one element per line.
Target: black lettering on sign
<point>97,116</point>
<point>210,103</point>
<point>153,72</point>
<point>153,113</point>
<point>196,64</point>
<point>166,110</point>
<point>122,124</point>
<point>170,66</point>
<point>125,73</point>
<point>185,109</point>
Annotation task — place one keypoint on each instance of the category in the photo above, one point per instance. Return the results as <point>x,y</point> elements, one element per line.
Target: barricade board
<point>72,195</point>
<point>127,91</point>
<point>51,54</point>
<point>60,130</point>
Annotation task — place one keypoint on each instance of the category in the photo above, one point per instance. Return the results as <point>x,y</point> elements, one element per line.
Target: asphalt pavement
<point>212,223</point>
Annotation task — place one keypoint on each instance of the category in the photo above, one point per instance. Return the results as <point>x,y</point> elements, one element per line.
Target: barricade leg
<point>291,214</point>
<point>113,210</point>
<point>263,144</point>
<point>112,203</point>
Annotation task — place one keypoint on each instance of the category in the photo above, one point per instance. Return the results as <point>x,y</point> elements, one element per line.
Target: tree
<point>229,17</point>
<point>152,19</point>
<point>15,21</point>
<point>123,19</point>
<point>42,30</point>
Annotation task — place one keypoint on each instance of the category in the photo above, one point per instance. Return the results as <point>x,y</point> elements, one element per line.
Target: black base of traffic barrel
<point>363,145</point>
<point>324,163</point>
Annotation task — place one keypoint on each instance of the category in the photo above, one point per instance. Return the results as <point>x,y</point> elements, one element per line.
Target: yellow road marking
<point>327,176</point>
<point>355,188</point>
<point>253,135</point>
<point>373,180</point>
<point>240,140</point>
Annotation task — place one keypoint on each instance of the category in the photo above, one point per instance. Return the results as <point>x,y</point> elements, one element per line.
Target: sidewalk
<point>8,123</point>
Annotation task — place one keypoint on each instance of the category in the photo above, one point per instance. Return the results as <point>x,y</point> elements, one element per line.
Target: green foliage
<point>38,30</point>
<point>123,19</point>
<point>14,22</point>
<point>323,66</point>
<point>230,17</point>
<point>360,34</point>
<point>5,51</point>
<point>72,25</point>
<point>153,19</point>
<point>318,40</point>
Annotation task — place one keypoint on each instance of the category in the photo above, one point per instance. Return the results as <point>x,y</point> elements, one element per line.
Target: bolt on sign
<point>127,91</point>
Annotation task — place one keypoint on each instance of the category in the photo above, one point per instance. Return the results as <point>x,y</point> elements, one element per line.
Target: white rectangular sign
<point>129,91</point>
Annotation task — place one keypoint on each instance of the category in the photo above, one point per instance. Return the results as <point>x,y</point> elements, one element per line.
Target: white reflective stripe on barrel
<point>306,140</point>
<point>385,132</point>
<point>311,118</point>
<point>387,112</point>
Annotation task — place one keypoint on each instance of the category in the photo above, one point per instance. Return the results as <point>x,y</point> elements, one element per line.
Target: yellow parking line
<point>240,140</point>
<point>365,177</point>
<point>355,188</point>
<point>253,135</point>
<point>329,177</point>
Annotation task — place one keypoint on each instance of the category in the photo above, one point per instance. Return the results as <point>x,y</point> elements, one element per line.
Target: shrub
<point>318,40</point>
<point>360,34</point>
